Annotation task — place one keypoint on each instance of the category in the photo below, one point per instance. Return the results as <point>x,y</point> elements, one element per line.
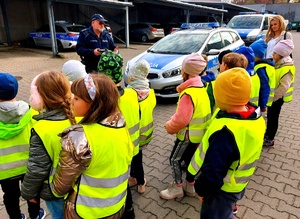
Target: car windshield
<point>245,22</point>
<point>179,43</point>
<point>75,28</point>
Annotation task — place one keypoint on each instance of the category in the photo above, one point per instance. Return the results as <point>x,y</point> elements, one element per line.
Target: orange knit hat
<point>232,88</point>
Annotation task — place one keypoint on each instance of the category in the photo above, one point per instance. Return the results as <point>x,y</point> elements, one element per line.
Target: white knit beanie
<point>73,69</point>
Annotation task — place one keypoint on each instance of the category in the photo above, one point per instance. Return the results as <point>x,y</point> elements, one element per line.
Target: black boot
<point>128,214</point>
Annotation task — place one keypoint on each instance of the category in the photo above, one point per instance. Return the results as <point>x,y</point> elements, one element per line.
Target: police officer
<point>93,41</point>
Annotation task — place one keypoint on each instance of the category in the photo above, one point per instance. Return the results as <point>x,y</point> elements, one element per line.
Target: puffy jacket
<point>39,162</point>
<point>75,158</point>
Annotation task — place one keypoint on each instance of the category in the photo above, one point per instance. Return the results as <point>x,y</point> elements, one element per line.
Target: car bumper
<point>68,44</point>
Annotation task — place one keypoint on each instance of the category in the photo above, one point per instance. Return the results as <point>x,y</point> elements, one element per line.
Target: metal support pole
<point>4,15</point>
<point>188,14</point>
<point>52,28</point>
<point>127,26</point>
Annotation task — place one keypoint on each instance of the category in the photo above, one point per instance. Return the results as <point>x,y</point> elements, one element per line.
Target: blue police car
<point>66,35</point>
<point>165,56</point>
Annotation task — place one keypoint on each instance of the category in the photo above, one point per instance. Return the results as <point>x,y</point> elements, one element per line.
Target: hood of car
<point>159,61</point>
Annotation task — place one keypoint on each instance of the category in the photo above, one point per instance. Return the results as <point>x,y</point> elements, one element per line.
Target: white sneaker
<point>189,189</point>
<point>173,191</point>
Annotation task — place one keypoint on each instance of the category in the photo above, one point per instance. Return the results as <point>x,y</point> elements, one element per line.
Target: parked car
<point>288,24</point>
<point>142,32</point>
<point>250,26</point>
<point>170,27</point>
<point>66,35</point>
<point>165,56</point>
<point>298,27</point>
<point>295,25</point>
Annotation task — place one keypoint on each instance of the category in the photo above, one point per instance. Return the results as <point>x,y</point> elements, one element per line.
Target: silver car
<point>165,56</point>
<point>143,32</point>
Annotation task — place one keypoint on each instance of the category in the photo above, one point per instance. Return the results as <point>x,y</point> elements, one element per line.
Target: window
<point>227,38</point>
<point>59,29</point>
<point>235,36</point>
<point>215,42</point>
<point>44,28</point>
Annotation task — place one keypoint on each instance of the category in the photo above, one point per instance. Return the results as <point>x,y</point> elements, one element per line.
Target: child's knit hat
<point>284,47</point>
<point>8,86</point>
<point>259,48</point>
<point>139,71</point>
<point>232,88</point>
<point>73,69</point>
<point>248,52</point>
<point>111,64</point>
<point>193,64</point>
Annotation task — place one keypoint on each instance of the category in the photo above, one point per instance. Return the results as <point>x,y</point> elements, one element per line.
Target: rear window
<point>245,22</point>
<point>75,28</point>
<point>181,43</point>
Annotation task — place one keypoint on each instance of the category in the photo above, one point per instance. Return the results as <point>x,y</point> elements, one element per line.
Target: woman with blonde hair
<point>276,32</point>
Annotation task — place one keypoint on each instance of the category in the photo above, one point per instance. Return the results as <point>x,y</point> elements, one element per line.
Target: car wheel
<point>60,46</point>
<point>298,29</point>
<point>31,42</point>
<point>144,38</point>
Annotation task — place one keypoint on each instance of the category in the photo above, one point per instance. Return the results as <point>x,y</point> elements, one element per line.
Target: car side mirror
<point>212,52</point>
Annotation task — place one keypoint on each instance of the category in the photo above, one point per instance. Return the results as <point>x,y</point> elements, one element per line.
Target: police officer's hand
<point>97,52</point>
<point>116,50</point>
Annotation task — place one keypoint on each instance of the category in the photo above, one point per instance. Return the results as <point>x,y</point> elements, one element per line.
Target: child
<point>220,57</point>
<point>137,78</point>
<point>233,59</point>
<point>49,95</point>
<point>73,69</point>
<point>225,147</point>
<point>96,153</point>
<point>249,54</point>
<point>111,64</point>
<point>207,76</point>
<point>285,76</point>
<point>189,123</point>
<point>15,125</point>
<point>266,73</point>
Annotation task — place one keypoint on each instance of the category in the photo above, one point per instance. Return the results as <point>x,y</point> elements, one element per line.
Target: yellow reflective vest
<point>249,135</point>
<point>280,72</point>
<point>201,116</point>
<point>129,107</point>
<point>255,89</point>
<point>48,131</point>
<point>14,152</point>
<point>270,70</point>
<point>102,187</point>
<point>146,122</point>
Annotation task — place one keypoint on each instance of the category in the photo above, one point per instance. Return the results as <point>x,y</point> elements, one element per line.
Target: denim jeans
<point>56,208</point>
<point>220,205</point>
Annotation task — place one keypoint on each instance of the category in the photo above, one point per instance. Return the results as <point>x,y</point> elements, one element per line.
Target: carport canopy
<point>123,6</point>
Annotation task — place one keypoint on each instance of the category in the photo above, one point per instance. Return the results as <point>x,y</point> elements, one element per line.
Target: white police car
<point>66,35</point>
<point>250,25</point>
<point>165,56</point>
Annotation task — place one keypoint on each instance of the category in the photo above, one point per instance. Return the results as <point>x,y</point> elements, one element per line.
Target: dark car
<point>66,35</point>
<point>142,32</point>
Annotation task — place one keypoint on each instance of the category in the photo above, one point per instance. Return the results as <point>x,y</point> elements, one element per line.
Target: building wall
<point>290,11</point>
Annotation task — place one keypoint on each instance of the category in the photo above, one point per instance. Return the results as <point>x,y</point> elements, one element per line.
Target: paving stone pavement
<point>274,191</point>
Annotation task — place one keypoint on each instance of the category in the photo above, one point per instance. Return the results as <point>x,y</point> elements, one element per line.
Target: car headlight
<point>171,73</point>
<point>251,38</point>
